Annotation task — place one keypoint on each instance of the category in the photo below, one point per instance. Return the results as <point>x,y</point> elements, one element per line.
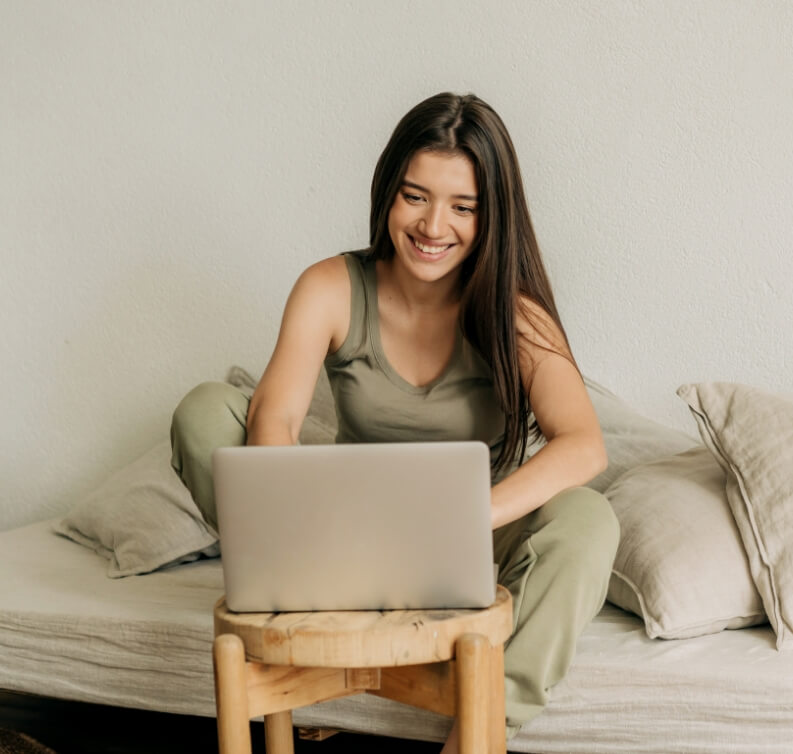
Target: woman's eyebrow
<point>469,197</point>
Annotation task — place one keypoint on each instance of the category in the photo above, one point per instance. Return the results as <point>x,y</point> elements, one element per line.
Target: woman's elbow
<point>598,457</point>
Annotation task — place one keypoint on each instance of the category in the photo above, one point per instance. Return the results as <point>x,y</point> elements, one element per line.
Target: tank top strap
<point>357,342</point>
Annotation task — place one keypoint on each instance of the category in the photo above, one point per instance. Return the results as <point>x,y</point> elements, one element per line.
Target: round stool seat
<point>363,639</point>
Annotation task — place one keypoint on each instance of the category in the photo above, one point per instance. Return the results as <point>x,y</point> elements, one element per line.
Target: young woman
<point>445,328</point>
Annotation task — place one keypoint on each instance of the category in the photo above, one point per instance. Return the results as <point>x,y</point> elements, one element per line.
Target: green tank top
<point>375,404</point>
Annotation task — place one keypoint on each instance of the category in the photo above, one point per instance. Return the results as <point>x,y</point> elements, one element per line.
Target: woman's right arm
<point>315,323</point>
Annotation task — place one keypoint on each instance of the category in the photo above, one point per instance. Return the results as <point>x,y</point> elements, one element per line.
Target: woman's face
<point>433,220</point>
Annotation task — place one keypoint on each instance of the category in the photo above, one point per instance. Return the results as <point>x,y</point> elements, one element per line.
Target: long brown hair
<point>505,266</point>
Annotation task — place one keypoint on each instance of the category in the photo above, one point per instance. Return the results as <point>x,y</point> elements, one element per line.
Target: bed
<point>73,626</point>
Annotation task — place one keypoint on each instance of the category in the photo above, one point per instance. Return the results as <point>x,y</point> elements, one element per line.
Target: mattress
<point>69,631</point>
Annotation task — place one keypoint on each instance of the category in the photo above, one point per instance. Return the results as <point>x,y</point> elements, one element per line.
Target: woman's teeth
<point>430,249</point>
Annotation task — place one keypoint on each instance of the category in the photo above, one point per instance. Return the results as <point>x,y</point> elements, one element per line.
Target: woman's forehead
<point>446,172</point>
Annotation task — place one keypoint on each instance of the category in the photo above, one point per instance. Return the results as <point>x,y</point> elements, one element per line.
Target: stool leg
<point>472,653</point>
<point>231,695</point>
<point>278,733</point>
<point>498,722</point>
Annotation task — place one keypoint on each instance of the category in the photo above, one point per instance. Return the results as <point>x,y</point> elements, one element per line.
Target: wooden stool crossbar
<point>445,661</point>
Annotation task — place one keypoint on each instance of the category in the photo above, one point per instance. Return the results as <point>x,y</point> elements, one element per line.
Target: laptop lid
<point>355,527</point>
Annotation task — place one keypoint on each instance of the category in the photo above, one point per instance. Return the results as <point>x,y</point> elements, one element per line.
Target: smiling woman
<point>445,328</point>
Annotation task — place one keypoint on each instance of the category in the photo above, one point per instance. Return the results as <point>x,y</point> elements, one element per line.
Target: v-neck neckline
<point>379,351</point>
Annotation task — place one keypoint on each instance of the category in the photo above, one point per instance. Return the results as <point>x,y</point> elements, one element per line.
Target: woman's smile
<point>432,251</point>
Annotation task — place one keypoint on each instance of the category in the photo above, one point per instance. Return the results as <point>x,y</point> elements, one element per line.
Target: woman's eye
<point>412,197</point>
<point>465,210</point>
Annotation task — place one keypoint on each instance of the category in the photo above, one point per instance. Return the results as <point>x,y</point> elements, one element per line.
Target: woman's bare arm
<point>575,452</point>
<point>315,322</point>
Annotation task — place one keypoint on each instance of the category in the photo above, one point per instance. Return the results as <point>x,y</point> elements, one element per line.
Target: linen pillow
<point>750,433</point>
<point>630,438</point>
<point>680,564</point>
<point>142,518</point>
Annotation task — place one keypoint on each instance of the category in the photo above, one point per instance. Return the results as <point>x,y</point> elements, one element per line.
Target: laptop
<point>372,526</point>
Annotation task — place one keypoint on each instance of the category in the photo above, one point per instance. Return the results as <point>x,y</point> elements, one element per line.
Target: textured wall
<point>167,169</point>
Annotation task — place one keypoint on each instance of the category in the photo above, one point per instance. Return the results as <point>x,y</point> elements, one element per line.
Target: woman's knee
<point>589,523</point>
<point>212,412</point>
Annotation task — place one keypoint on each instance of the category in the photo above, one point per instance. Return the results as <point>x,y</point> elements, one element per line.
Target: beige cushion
<point>750,433</point>
<point>630,438</point>
<point>141,518</point>
<point>680,564</point>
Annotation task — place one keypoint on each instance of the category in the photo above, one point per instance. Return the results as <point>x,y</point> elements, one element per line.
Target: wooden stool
<point>446,661</point>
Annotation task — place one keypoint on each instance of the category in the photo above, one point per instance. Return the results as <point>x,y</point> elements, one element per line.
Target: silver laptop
<point>355,527</point>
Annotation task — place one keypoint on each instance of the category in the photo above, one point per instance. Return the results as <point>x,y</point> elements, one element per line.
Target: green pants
<point>555,561</point>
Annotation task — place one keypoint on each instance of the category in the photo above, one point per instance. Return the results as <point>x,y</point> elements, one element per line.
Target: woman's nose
<point>432,222</point>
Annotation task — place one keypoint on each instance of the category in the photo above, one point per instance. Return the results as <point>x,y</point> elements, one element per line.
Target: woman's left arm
<point>575,452</point>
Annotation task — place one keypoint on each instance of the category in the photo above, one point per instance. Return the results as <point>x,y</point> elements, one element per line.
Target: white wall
<point>168,168</point>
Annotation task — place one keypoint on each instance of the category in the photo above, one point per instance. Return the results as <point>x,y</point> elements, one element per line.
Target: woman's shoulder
<point>322,295</point>
<point>329,275</point>
<point>335,276</point>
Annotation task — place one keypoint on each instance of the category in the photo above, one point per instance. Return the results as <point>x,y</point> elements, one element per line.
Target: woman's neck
<point>417,295</point>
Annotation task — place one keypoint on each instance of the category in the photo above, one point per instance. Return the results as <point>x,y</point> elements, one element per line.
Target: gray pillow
<point>142,518</point>
<point>680,563</point>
